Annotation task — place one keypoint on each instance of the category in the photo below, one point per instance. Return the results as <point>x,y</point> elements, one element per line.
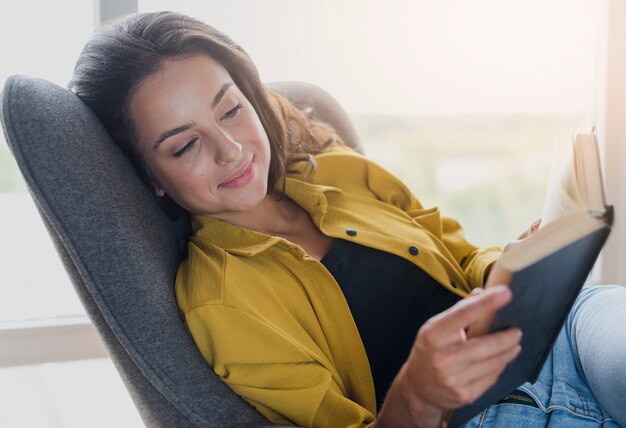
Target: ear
<point>158,190</point>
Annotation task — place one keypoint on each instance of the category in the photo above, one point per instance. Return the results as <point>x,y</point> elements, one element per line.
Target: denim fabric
<point>574,375</point>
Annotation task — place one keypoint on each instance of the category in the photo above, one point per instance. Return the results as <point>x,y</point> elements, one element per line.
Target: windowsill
<point>49,340</point>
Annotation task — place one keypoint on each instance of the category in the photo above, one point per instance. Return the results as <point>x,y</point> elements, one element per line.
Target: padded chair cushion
<point>121,251</point>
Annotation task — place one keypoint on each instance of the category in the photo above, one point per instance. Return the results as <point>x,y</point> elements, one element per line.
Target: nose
<point>226,149</point>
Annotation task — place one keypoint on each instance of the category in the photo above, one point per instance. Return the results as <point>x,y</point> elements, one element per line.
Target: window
<point>43,44</point>
<point>462,100</point>
<point>44,39</point>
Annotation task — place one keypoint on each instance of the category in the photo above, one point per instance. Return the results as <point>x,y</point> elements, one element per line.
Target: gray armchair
<point>122,252</point>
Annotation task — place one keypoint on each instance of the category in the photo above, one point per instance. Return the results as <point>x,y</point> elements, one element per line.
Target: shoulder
<point>200,277</point>
<point>346,169</point>
<point>340,166</point>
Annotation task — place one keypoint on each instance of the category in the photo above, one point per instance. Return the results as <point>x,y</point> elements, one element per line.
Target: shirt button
<point>351,232</point>
<point>413,250</point>
<point>452,283</point>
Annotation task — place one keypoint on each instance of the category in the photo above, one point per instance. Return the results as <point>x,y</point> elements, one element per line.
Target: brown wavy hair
<point>123,54</point>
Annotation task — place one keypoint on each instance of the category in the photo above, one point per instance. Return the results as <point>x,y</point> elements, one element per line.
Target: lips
<point>241,177</point>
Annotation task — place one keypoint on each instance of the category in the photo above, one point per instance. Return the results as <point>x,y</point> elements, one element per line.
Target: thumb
<point>480,326</point>
<point>476,291</point>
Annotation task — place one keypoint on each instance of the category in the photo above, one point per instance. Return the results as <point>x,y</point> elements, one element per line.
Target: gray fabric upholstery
<point>122,252</point>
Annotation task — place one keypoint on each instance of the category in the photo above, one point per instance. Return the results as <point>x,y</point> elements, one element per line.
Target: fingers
<point>491,366</point>
<point>459,384</point>
<point>512,244</point>
<point>484,375</point>
<point>466,356</point>
<point>478,327</point>
<point>475,389</point>
<point>446,368</point>
<point>443,329</point>
<point>533,227</point>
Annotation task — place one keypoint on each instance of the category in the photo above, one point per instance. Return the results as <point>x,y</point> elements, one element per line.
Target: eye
<point>233,112</point>
<point>186,148</point>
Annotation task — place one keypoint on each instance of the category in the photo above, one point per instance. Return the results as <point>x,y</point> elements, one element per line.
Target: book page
<point>562,193</point>
<point>589,173</point>
<point>549,239</point>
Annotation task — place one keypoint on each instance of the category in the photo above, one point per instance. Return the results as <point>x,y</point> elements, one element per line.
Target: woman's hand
<point>446,369</point>
<point>481,326</point>
<point>533,227</point>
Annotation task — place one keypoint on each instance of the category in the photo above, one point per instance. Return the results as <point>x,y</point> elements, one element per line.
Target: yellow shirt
<point>274,324</point>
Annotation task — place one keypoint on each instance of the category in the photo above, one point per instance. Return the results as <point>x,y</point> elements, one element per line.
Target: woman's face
<point>201,139</point>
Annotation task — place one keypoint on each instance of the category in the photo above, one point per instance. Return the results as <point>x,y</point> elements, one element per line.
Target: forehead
<point>180,76</point>
<point>177,89</point>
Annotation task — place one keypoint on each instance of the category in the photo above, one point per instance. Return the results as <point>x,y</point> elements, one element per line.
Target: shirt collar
<point>242,241</point>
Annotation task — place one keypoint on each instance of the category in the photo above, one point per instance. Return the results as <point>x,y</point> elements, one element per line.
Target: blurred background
<point>461,100</point>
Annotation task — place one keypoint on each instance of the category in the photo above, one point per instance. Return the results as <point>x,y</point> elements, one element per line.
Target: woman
<point>334,294</point>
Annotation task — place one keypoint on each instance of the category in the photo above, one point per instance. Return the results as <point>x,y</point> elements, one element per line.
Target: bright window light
<point>462,100</point>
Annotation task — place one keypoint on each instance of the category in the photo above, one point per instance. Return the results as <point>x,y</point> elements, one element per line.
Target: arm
<point>446,369</point>
<point>475,262</point>
<point>287,380</point>
<point>371,180</point>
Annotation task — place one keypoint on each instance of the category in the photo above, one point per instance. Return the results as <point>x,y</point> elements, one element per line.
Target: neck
<point>270,216</point>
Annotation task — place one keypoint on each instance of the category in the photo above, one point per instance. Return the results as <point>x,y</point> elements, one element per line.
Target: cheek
<point>194,180</point>
<point>263,140</point>
<point>178,178</point>
<point>256,130</point>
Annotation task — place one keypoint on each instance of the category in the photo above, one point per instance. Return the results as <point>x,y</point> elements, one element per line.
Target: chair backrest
<point>121,251</point>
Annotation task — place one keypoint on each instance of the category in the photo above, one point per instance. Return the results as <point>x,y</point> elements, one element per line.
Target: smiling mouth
<point>242,178</point>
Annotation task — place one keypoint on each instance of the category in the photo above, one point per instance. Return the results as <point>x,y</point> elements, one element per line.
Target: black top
<point>390,298</point>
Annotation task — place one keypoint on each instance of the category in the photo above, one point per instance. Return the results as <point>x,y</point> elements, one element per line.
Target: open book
<point>547,270</point>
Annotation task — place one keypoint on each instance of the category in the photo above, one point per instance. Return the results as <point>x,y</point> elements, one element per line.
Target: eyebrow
<point>167,134</point>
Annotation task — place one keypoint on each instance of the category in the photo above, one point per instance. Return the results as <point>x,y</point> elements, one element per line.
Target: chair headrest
<point>124,248</point>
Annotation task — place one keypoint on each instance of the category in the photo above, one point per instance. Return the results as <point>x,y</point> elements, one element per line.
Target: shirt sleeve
<point>475,262</point>
<point>285,380</point>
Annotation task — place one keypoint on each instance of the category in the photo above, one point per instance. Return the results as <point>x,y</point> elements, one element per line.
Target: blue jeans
<point>583,381</point>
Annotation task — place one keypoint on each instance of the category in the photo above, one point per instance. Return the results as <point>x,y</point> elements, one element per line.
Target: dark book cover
<point>543,294</point>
